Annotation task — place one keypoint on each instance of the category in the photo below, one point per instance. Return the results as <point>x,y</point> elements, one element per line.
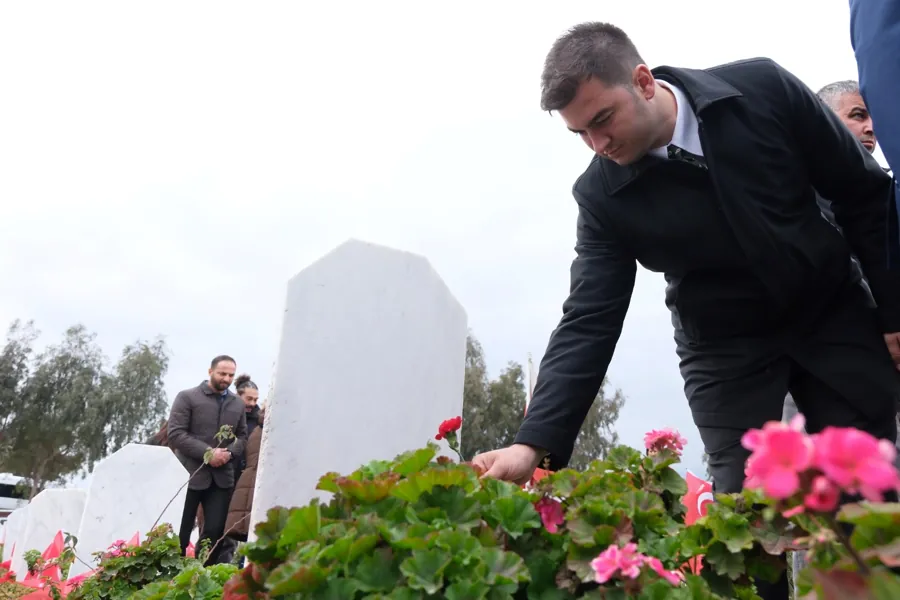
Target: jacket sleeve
<point>179,429</point>
<point>861,193</point>
<point>581,347</point>
<point>875,35</point>
<point>239,444</point>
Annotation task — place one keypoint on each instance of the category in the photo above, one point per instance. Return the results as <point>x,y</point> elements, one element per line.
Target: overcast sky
<point>165,167</point>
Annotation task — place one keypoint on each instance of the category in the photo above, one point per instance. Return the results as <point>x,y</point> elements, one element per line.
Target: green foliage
<point>493,411</point>
<point>10,590</point>
<point>124,570</point>
<point>418,527</point>
<point>195,581</point>
<point>32,558</point>
<point>61,410</point>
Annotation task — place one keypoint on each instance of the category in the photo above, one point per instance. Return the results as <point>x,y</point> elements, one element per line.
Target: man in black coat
<point>708,176</point>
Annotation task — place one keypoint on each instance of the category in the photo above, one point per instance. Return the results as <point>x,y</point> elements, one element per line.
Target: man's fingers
<point>493,472</point>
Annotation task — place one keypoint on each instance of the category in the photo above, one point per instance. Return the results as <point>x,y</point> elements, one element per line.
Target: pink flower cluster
<point>627,562</point>
<point>664,439</point>
<point>117,548</point>
<point>785,462</point>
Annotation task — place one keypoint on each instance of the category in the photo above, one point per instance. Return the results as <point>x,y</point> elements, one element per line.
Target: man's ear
<point>643,81</point>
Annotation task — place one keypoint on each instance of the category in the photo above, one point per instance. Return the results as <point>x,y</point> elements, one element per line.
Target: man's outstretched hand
<point>516,463</point>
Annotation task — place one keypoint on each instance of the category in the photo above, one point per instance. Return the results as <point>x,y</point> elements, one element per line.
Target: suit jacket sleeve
<point>875,34</point>
<point>581,347</point>
<point>179,429</point>
<point>861,193</point>
<point>239,444</point>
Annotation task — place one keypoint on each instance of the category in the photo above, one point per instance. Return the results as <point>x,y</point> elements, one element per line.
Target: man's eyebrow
<point>597,117</point>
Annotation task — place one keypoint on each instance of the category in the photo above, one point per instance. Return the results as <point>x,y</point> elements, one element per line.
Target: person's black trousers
<point>215,501</point>
<point>835,364</point>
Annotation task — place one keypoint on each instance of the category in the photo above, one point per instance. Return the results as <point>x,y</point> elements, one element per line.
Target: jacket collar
<point>702,88</point>
<point>204,387</point>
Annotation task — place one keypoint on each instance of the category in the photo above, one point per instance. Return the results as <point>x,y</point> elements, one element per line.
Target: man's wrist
<point>538,454</point>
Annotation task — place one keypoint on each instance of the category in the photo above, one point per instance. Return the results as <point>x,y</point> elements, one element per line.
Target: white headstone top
<point>371,360</point>
<point>128,491</point>
<point>50,512</point>
<point>15,529</point>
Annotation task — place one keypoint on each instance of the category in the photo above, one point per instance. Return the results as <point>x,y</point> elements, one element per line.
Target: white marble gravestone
<point>372,359</point>
<point>15,529</point>
<point>49,512</point>
<point>128,491</point>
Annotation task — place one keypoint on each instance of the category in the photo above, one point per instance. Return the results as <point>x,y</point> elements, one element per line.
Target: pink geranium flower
<point>551,513</point>
<point>780,453</point>
<point>856,462</point>
<point>664,439</point>
<point>823,495</point>
<point>625,561</point>
<point>673,577</point>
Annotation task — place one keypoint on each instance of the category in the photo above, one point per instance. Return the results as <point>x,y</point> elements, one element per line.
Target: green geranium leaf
<point>267,535</point>
<point>425,569</point>
<point>408,537</point>
<point>412,488</point>
<point>673,482</point>
<point>413,462</point>
<point>725,562</point>
<point>467,590</point>
<point>294,577</point>
<point>730,528</point>
<point>376,572</point>
<point>338,589</point>
<point>302,525</point>
<point>504,568</point>
<point>624,458</point>
<point>515,514</point>
<point>462,545</point>
<point>457,507</point>
<point>328,482</point>
<point>374,469</point>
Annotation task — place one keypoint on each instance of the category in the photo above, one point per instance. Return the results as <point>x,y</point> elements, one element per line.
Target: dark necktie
<point>680,154</point>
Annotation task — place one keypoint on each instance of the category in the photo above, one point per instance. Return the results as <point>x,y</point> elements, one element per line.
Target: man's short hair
<point>599,50</point>
<point>831,93</point>
<point>221,358</point>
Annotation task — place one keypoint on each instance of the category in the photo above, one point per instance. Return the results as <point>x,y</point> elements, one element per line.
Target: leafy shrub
<point>10,590</point>
<point>123,570</point>
<point>416,528</point>
<point>194,582</point>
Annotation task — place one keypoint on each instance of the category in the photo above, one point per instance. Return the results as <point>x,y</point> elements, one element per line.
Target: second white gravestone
<point>129,490</point>
<point>372,359</point>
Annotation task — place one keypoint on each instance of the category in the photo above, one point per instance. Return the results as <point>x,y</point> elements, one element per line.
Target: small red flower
<point>448,426</point>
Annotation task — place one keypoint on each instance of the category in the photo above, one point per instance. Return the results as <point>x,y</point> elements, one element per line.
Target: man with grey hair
<point>844,98</point>
<point>708,176</point>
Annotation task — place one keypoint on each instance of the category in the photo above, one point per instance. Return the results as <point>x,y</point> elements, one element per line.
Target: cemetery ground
<point>355,499</point>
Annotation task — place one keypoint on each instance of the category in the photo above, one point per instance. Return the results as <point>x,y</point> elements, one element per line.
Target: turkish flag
<point>54,550</point>
<point>699,494</point>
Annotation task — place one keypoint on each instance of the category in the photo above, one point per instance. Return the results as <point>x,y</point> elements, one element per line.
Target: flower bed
<point>422,526</point>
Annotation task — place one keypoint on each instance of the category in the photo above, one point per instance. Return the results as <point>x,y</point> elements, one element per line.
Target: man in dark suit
<point>197,416</point>
<point>708,176</point>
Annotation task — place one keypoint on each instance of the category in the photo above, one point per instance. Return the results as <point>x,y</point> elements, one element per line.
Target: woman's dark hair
<point>242,382</point>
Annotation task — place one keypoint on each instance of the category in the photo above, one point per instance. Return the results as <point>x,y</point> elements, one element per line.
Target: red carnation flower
<point>448,426</point>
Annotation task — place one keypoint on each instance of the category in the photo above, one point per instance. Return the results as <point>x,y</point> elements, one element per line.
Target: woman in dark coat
<point>237,525</point>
